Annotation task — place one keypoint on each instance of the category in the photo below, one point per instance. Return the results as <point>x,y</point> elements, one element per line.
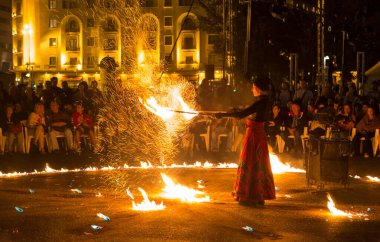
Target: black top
<point>258,111</point>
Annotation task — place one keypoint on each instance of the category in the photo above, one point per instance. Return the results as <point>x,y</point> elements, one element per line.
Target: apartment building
<point>70,38</point>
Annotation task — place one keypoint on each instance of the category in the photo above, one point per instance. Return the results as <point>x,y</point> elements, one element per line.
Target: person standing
<point>254,182</point>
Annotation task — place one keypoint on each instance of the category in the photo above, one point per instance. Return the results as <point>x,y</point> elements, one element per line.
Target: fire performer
<point>254,182</point>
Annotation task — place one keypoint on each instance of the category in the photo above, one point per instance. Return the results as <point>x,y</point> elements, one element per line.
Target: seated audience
<point>295,124</point>
<point>37,126</point>
<point>366,128</point>
<point>345,121</point>
<point>273,126</point>
<point>12,129</point>
<point>83,124</point>
<point>59,124</point>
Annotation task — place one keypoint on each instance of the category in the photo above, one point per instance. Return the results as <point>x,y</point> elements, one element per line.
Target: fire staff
<point>254,181</point>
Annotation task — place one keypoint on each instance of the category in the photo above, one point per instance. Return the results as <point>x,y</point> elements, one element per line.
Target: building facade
<point>69,38</point>
<point>5,35</point>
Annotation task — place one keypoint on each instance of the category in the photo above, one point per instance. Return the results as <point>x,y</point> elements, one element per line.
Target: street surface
<point>55,213</point>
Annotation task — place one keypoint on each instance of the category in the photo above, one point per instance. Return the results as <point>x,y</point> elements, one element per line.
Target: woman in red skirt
<point>254,182</point>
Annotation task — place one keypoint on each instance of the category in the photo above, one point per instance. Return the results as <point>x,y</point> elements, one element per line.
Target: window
<point>52,41</point>
<point>168,21</point>
<point>69,4</point>
<point>18,8</point>
<point>73,61</point>
<point>111,25</point>
<point>72,26</point>
<point>147,3</point>
<point>167,3</point>
<point>52,61</point>
<point>91,41</point>
<point>90,22</point>
<point>52,4</point>
<point>19,45</point>
<point>188,43</point>
<point>110,44</point>
<point>212,38</point>
<point>90,3</point>
<point>184,2</point>
<point>72,44</point>
<point>19,60</point>
<point>52,23</point>
<point>168,40</point>
<point>189,60</point>
<point>91,60</point>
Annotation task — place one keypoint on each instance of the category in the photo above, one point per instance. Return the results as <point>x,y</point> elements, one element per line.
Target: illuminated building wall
<point>5,35</point>
<point>53,38</point>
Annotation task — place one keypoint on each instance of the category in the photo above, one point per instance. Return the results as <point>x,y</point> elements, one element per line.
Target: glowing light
<point>146,204</point>
<point>337,212</point>
<point>141,58</point>
<point>278,167</point>
<point>79,67</point>
<point>152,105</point>
<point>374,179</point>
<point>185,194</point>
<point>63,59</point>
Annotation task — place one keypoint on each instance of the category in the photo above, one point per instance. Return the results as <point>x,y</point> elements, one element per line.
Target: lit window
<point>72,44</point>
<point>168,3</point>
<point>189,60</point>
<point>52,23</point>
<point>52,41</point>
<point>72,26</point>
<point>73,61</point>
<point>52,61</point>
<point>52,4</point>
<point>188,43</point>
<point>168,40</point>
<point>91,60</point>
<point>91,41</point>
<point>168,21</point>
<point>90,22</point>
<point>110,44</point>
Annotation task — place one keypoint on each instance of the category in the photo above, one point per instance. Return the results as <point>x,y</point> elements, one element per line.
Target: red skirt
<point>254,181</point>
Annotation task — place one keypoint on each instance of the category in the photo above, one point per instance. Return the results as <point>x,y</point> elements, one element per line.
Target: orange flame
<point>278,167</point>
<point>337,212</point>
<point>146,204</point>
<point>373,178</point>
<point>185,194</point>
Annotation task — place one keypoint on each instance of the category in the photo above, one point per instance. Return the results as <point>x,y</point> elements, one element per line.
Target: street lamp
<point>28,31</point>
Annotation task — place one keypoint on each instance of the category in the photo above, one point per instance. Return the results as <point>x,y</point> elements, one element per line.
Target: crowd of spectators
<point>44,114</point>
<point>343,111</point>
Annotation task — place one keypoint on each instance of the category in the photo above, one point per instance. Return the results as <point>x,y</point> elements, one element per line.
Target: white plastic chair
<point>28,140</point>
<point>206,137</point>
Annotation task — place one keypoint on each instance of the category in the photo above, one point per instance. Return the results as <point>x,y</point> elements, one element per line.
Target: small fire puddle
<point>146,204</point>
<point>340,213</point>
<point>183,193</point>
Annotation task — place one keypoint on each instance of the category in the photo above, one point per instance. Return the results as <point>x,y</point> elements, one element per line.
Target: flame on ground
<point>185,194</point>
<point>373,179</point>
<point>337,212</point>
<point>278,167</point>
<point>146,204</point>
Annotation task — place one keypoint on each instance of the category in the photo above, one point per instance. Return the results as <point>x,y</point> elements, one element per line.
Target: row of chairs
<point>280,143</point>
<point>27,139</point>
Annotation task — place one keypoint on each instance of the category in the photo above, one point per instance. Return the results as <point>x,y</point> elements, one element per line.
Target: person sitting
<point>274,123</point>
<point>366,128</point>
<point>219,127</point>
<point>345,121</point>
<point>83,124</point>
<point>59,124</point>
<point>295,124</point>
<point>11,129</point>
<point>37,126</point>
